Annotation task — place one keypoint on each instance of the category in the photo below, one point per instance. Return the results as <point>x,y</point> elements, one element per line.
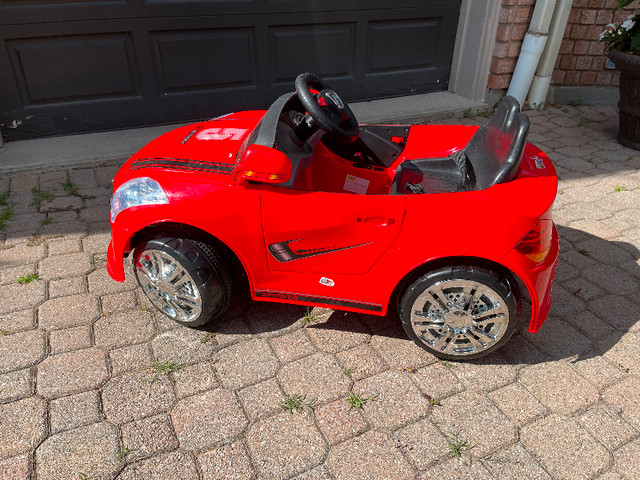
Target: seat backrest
<point>496,149</point>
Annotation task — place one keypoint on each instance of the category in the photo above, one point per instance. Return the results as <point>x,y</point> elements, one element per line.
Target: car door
<point>328,233</point>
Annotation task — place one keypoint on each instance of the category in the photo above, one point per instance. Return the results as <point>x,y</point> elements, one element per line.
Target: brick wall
<point>582,57</point>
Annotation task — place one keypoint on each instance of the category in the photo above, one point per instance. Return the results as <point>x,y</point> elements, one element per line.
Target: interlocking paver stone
<point>193,379</point>
<point>518,403</point>
<point>96,243</point>
<point>371,455</point>
<point>475,419</point>
<point>74,411</point>
<point>181,345</point>
<point>69,339</point>
<point>398,351</point>
<point>148,437</point>
<point>135,395</point>
<point>437,380</point>
<point>16,385</point>
<point>230,462</point>
<point>292,346</point>
<point>246,363</point>
<point>22,349</point>
<point>71,372</point>
<point>607,427</point>
<point>617,311</point>
<point>64,246</point>
<point>623,396</point>
<point>626,459</point>
<point>61,266</point>
<point>67,286</point>
<point>457,469</point>
<point>101,283</point>
<point>24,425</point>
<point>559,387</point>
<point>319,376</point>
<point>203,420</point>
<point>339,422</point>
<point>16,468</point>
<point>515,462</point>
<point>119,302</point>
<point>397,401</point>
<point>285,445</point>
<point>561,457</point>
<point>262,398</point>
<point>18,297</point>
<point>17,321</point>
<point>423,443</point>
<point>168,466</point>
<point>67,312</point>
<point>361,361</point>
<point>90,450</point>
<point>130,358</point>
<point>492,373</point>
<point>123,328</point>
<point>621,351</point>
<point>337,331</point>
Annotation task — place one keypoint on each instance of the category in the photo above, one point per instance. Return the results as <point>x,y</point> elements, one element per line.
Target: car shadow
<point>596,291</point>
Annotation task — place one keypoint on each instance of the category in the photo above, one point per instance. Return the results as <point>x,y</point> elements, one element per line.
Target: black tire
<point>203,289</point>
<point>468,312</point>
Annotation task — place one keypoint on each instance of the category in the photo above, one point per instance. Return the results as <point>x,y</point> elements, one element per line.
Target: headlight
<point>139,191</point>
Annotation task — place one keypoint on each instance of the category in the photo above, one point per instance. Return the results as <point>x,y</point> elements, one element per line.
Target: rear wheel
<point>183,278</point>
<point>459,313</point>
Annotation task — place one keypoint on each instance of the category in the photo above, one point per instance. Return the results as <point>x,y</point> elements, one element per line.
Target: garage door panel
<point>72,68</point>
<point>204,59</point>
<point>326,50</point>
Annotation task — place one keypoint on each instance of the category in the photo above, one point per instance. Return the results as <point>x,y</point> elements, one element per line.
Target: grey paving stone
<point>16,385</point>
<point>136,395</point>
<point>560,457</point>
<point>626,459</point>
<point>337,331</point>
<point>182,345</point>
<point>559,387</point>
<point>71,372</point>
<point>90,450</point>
<point>518,403</point>
<point>475,419</point>
<point>624,398</point>
<point>20,297</point>
<point>69,339</point>
<point>21,350</point>
<point>168,466</point>
<point>16,468</point>
<point>96,243</point>
<point>397,401</point>
<point>13,274</point>
<point>132,357</point>
<point>120,302</point>
<point>74,411</point>
<point>293,346</point>
<point>606,426</point>
<point>246,363</point>
<point>123,328</point>
<point>67,312</point>
<point>17,321</point>
<point>101,283</point>
<point>515,462</point>
<point>438,380</point>
<point>24,426</point>
<point>494,372</point>
<point>67,286</point>
<point>398,351</point>
<point>148,437</point>
<point>204,420</point>
<point>61,266</point>
<point>285,445</point>
<point>318,376</point>
<point>262,398</point>
<point>339,422</point>
<point>371,455</point>
<point>621,351</point>
<point>423,443</point>
<point>229,462</point>
<point>193,379</point>
<point>456,469</point>
<point>361,361</point>
<point>273,319</point>
<point>618,312</point>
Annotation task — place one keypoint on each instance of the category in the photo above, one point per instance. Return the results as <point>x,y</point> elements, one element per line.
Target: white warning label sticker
<point>356,184</point>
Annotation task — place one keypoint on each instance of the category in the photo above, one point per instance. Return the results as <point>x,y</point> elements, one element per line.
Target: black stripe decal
<point>324,300</point>
<point>183,164</point>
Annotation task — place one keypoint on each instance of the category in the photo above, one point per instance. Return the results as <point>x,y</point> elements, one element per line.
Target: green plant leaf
<point>635,43</point>
<point>623,3</point>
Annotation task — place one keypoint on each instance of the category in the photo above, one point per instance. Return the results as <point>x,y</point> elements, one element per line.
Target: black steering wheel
<point>327,109</point>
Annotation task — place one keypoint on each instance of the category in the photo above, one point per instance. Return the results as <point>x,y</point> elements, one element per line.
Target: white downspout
<point>532,47</point>
<point>542,80</point>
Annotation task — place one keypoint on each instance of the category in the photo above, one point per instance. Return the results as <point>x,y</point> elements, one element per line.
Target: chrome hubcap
<point>459,317</point>
<point>169,286</point>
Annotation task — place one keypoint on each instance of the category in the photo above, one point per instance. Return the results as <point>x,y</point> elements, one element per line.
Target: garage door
<point>70,67</point>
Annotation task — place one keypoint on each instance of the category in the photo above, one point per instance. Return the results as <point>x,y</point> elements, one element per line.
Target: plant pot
<point>629,104</point>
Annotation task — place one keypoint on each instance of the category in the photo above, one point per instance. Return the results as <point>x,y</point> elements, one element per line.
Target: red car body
<point>354,244</point>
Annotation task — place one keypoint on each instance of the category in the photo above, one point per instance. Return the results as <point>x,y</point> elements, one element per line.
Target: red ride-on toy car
<point>320,211</point>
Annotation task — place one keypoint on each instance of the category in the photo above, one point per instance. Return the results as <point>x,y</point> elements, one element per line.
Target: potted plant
<point>623,42</point>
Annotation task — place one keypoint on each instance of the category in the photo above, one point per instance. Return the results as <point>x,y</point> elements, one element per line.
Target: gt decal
<point>221,134</point>
<point>282,252</point>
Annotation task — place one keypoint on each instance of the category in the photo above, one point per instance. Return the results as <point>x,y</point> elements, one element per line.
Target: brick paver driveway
<point>95,384</point>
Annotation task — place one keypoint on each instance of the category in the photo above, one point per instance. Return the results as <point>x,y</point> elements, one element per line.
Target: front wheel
<point>184,279</point>
<point>459,313</point>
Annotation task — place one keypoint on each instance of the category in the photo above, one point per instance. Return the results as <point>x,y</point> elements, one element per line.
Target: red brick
<point>616,79</point>
<point>519,31</point>
<point>581,47</point>
<point>558,77</point>
<point>597,64</point>
<point>603,17</point>
<point>506,65</point>
<point>498,82</point>
<point>514,49</point>
<point>572,78</point>
<point>593,33</point>
<point>604,78</point>
<point>567,62</point>
<point>597,3</point>
<point>588,78</point>
<point>574,15</point>
<point>566,47</point>
<point>501,50</point>
<point>522,15</point>
<point>579,32</point>
<point>583,63</point>
<point>506,15</point>
<point>596,48</point>
<point>504,33</point>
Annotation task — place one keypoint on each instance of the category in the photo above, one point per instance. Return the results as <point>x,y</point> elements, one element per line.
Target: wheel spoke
<point>493,308</point>
<point>477,344</point>
<point>439,301</point>
<point>471,295</point>
<point>441,343</point>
